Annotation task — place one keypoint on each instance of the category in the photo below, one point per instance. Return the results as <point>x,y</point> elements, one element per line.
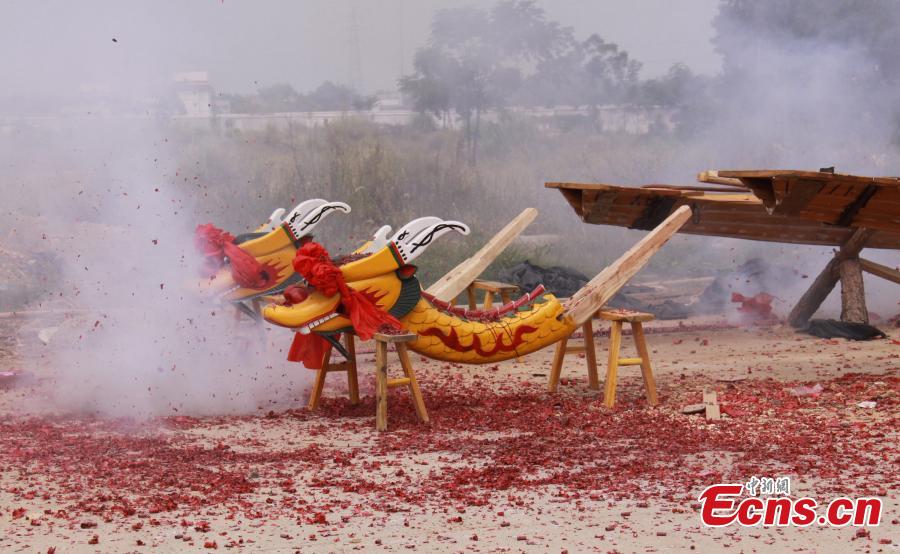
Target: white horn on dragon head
<point>379,240</point>
<point>304,218</point>
<point>417,235</point>
<point>274,220</point>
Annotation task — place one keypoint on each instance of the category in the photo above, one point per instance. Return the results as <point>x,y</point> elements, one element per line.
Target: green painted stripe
<point>397,257</point>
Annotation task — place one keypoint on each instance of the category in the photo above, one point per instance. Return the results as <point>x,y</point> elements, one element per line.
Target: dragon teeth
<point>305,330</point>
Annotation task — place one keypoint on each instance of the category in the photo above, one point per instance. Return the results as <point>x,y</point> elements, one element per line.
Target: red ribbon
<point>314,264</point>
<point>215,245</point>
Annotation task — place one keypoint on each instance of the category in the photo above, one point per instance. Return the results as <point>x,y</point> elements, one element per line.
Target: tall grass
<point>390,175</point>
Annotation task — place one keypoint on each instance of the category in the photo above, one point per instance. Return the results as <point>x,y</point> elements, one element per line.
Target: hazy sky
<point>47,46</point>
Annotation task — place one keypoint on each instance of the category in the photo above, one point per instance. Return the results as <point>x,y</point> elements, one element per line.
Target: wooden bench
<point>491,289</point>
<point>616,318</point>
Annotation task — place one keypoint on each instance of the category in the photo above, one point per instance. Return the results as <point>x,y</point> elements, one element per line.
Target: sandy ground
<point>306,501</point>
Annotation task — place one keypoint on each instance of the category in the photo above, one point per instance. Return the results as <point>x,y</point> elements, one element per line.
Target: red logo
<point>722,504</point>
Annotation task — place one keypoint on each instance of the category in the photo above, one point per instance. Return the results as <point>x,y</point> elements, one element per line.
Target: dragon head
<point>383,277</point>
<point>259,263</point>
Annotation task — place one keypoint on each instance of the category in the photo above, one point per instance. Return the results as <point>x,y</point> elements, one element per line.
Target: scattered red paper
<point>757,308</point>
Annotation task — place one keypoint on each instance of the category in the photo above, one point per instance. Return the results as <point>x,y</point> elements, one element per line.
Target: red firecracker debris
<point>756,308</point>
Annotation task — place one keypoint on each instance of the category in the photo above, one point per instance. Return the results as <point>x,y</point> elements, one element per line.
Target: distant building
<point>195,93</point>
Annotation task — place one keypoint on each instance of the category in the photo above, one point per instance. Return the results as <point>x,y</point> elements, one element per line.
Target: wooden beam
<point>849,213</point>
<point>584,303</point>
<point>456,280</point>
<point>879,270</point>
<point>825,282</point>
<point>712,176</point>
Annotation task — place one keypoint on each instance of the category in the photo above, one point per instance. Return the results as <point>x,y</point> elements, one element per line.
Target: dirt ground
<point>503,467</point>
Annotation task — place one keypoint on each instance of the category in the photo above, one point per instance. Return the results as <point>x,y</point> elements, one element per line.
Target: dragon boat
<point>380,291</point>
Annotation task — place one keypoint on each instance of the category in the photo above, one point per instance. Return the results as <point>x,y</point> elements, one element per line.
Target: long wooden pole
<point>879,270</point>
<point>457,279</point>
<point>584,303</point>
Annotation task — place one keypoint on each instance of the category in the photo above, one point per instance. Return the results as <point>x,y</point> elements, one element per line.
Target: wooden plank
<point>711,404</point>
<point>883,271</point>
<point>584,303</point>
<point>456,280</point>
<point>625,315</point>
<point>494,286</point>
<point>712,176</point>
<point>401,337</point>
<point>828,177</point>
<point>398,382</point>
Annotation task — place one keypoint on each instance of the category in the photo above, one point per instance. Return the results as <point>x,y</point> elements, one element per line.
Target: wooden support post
<point>470,293</point>
<point>415,392</point>
<point>590,353</point>
<point>352,379</point>
<point>556,368</point>
<point>853,295</point>
<point>381,388</point>
<point>615,343</point>
<point>637,331</point>
<point>319,383</point>
<point>383,383</point>
<point>825,282</point>
<point>488,300</point>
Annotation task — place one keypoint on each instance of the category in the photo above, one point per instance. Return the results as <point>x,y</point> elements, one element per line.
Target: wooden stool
<point>383,383</point>
<point>348,365</point>
<point>490,288</point>
<point>616,317</point>
<point>590,353</point>
<point>636,319</point>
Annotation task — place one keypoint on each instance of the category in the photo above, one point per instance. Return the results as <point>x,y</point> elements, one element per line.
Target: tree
<point>610,75</point>
<point>474,61</point>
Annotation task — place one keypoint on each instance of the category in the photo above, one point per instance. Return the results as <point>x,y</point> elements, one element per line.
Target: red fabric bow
<point>314,264</point>
<point>216,244</point>
<point>308,350</point>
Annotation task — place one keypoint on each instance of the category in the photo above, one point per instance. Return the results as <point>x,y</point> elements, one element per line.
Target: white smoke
<point>120,223</point>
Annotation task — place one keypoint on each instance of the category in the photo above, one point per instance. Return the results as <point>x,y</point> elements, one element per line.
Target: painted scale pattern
<point>449,338</point>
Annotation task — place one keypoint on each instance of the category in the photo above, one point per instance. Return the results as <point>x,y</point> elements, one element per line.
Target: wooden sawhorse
<point>616,319</point>
<point>382,382</point>
<point>348,365</point>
